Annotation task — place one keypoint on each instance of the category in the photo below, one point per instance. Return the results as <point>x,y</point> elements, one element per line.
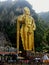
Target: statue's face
<point>26,11</point>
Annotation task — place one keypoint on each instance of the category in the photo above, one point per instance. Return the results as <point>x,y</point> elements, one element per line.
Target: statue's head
<point>26,11</point>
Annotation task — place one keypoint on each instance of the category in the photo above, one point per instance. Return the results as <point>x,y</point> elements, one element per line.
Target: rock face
<point>3,40</point>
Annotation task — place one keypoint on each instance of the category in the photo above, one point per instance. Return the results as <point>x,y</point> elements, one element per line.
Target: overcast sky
<point>39,5</point>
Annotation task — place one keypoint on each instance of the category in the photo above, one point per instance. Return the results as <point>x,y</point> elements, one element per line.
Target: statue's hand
<point>21,19</point>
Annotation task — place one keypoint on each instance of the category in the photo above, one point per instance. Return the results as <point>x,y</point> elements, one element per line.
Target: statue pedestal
<point>25,55</point>
<point>29,54</point>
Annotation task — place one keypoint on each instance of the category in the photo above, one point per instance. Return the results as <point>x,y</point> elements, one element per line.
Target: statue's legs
<point>31,41</point>
<point>27,39</point>
<point>24,37</point>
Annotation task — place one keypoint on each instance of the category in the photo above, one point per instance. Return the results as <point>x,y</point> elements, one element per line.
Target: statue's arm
<point>34,26</point>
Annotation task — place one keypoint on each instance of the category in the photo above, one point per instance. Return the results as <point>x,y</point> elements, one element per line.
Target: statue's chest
<point>28,20</point>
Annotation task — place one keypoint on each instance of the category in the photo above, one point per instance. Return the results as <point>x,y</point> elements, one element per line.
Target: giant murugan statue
<point>27,29</point>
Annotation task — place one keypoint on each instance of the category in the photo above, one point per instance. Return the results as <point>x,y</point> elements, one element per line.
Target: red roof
<point>7,52</point>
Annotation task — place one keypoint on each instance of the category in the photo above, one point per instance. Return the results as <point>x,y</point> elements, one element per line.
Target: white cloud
<point>2,0</point>
<point>40,5</point>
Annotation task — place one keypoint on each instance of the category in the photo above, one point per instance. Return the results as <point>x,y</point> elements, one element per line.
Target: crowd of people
<point>10,58</point>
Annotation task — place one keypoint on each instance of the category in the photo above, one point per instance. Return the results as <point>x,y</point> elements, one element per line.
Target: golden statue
<point>27,30</point>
